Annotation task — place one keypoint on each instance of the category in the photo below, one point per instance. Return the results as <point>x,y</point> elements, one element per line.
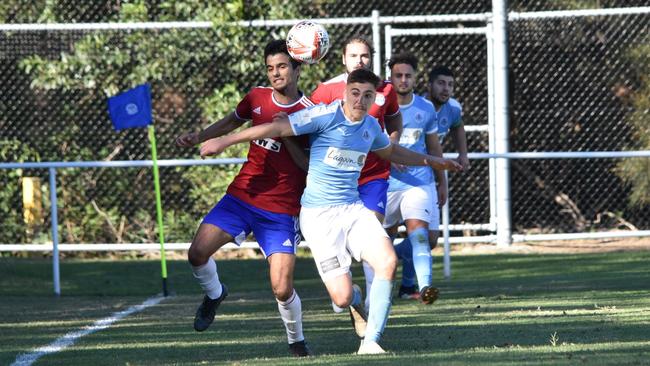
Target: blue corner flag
<point>131,108</point>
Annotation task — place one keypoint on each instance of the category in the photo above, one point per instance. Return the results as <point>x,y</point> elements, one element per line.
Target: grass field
<point>591,309</point>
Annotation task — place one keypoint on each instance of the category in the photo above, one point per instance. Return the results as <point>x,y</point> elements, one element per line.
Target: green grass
<point>591,309</point>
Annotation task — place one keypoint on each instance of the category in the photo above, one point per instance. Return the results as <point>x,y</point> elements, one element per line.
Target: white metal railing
<point>53,166</point>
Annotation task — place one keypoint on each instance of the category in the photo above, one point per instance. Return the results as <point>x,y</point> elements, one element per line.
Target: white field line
<point>70,338</point>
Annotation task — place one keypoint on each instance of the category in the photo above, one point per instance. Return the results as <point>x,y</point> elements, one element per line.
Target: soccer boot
<point>299,349</point>
<point>408,293</point>
<point>428,295</point>
<point>208,308</point>
<point>370,348</point>
<point>359,317</point>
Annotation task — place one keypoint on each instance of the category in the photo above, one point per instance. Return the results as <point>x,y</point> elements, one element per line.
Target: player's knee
<point>386,268</point>
<point>342,300</point>
<point>282,291</point>
<point>196,256</point>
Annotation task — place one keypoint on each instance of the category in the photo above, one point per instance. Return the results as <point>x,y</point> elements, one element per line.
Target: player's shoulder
<point>322,110</point>
<point>386,87</point>
<point>306,102</point>
<point>342,78</point>
<point>260,91</point>
<point>423,102</point>
<point>455,104</point>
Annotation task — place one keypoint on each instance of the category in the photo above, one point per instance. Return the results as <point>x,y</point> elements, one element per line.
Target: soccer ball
<point>308,42</point>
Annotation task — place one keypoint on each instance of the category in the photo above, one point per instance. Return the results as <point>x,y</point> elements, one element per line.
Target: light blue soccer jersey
<point>338,151</point>
<point>419,119</point>
<point>450,115</point>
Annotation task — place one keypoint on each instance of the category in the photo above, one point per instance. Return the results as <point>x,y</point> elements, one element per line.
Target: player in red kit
<point>373,181</point>
<point>263,198</point>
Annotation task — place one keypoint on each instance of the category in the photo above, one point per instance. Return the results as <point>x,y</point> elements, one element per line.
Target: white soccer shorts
<point>336,234</point>
<point>416,203</point>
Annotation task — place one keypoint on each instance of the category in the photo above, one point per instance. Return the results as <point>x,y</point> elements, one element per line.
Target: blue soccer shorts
<point>275,232</point>
<point>373,195</point>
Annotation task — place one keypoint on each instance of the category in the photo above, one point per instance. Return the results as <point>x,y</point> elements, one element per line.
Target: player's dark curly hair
<point>440,71</point>
<point>361,39</point>
<point>403,58</point>
<point>363,76</point>
<point>279,46</point>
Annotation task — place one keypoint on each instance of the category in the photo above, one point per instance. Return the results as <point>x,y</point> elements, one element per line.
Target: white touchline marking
<point>70,338</point>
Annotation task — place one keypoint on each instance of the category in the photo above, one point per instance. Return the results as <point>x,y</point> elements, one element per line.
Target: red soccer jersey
<point>270,179</point>
<point>385,105</point>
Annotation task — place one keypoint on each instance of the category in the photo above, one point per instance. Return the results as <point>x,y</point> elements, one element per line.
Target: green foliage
<point>12,227</point>
<point>636,172</point>
<point>198,67</point>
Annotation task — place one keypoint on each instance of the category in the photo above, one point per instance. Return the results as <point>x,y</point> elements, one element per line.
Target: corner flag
<point>132,108</point>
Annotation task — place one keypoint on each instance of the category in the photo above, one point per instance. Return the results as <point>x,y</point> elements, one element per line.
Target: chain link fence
<point>571,80</point>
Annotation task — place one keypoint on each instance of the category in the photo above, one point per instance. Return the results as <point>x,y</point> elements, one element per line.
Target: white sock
<point>291,314</point>
<point>208,278</point>
<point>369,273</point>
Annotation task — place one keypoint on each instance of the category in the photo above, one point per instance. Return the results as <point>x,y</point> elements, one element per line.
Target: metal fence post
<point>376,42</point>
<point>55,233</point>
<point>502,128</point>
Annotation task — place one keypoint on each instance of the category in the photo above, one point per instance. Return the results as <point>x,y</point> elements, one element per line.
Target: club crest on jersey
<point>419,117</point>
<point>257,110</point>
<point>443,122</point>
<point>380,99</point>
<point>366,135</point>
<point>269,144</point>
<point>345,159</point>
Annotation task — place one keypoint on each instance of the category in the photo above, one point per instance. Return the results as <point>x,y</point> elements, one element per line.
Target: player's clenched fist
<point>187,139</point>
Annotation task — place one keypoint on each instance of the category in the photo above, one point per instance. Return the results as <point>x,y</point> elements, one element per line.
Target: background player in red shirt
<point>373,182</point>
<point>263,198</point>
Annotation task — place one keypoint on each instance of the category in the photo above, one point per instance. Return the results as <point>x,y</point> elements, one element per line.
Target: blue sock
<point>404,251</point>
<point>356,297</point>
<point>421,256</point>
<point>380,294</point>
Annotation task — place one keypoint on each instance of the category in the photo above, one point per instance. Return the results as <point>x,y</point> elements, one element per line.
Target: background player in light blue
<point>333,219</point>
<point>411,196</point>
<point>449,114</point>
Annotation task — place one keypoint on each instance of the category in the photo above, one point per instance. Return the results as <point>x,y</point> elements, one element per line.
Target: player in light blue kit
<point>411,196</point>
<point>333,219</point>
<point>449,114</point>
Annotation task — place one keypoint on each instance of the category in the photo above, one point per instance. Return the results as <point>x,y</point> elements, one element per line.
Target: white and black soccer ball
<point>308,42</point>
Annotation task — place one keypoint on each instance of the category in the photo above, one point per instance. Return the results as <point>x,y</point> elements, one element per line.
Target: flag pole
<point>161,234</point>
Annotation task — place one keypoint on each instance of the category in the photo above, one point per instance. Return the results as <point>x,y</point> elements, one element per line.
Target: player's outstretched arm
<point>279,127</point>
<point>433,148</point>
<point>222,127</point>
<point>460,142</point>
<point>402,155</point>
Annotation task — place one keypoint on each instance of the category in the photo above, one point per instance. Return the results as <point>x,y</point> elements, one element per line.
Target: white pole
<point>376,42</point>
<point>491,126</point>
<point>446,260</point>
<point>55,233</point>
<point>502,130</point>
<point>388,46</point>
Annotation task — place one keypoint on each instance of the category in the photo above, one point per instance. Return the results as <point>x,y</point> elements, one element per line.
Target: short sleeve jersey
<point>339,148</point>
<point>419,118</point>
<point>385,105</point>
<point>269,179</point>
<point>450,115</point>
